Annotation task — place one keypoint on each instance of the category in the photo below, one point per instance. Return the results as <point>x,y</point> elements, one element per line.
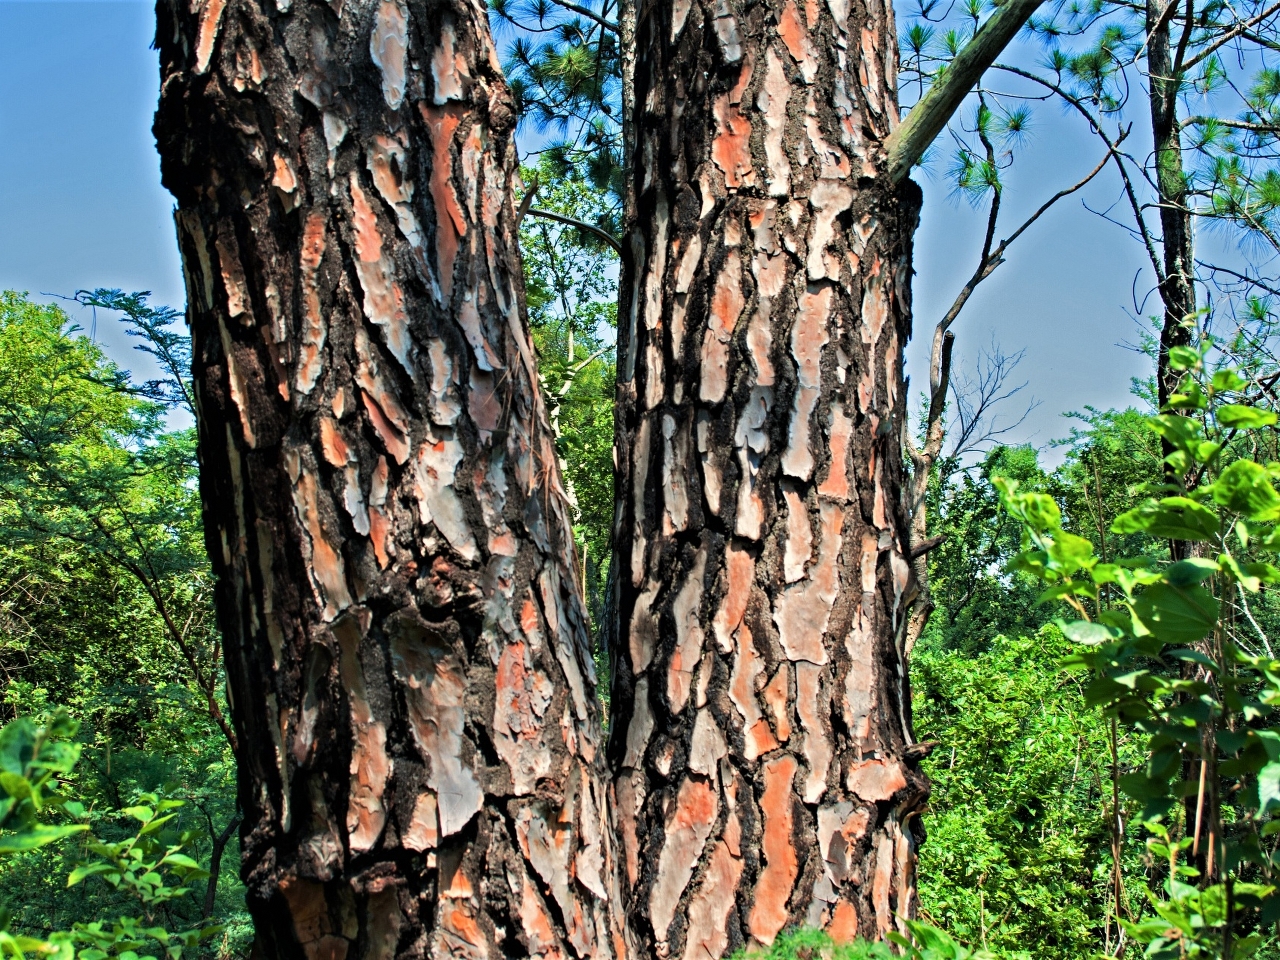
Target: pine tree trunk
<point>761,728</point>
<point>1177,287</point>
<point>421,770</point>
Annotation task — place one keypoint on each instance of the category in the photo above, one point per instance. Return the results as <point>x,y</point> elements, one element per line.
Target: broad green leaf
<point>1244,418</point>
<point>1173,518</point>
<point>1184,358</point>
<point>1185,573</point>
<point>1040,511</point>
<point>1268,786</point>
<point>88,870</point>
<point>1070,552</point>
<point>40,835</point>
<point>1177,614</point>
<point>1082,631</point>
<point>1244,488</point>
<point>1225,381</point>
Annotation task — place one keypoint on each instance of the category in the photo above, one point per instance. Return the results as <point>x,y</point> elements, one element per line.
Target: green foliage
<point>105,607</point>
<point>1173,652</point>
<point>1017,852</point>
<point>563,62</point>
<point>140,866</point>
<point>809,944</point>
<point>30,758</point>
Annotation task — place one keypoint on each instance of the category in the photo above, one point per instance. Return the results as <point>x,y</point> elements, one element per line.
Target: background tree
<point>408,656</point>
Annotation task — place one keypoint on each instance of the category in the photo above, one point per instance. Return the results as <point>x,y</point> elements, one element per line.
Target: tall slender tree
<point>421,766</point>
<point>765,771</point>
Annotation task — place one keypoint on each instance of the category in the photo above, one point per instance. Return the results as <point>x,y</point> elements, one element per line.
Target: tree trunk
<point>421,770</point>
<point>761,727</point>
<point>1177,287</point>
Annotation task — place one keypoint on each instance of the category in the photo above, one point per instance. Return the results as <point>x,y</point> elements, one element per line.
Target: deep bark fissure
<point>406,646</point>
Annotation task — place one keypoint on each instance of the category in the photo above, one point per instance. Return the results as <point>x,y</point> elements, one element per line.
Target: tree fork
<point>406,646</point>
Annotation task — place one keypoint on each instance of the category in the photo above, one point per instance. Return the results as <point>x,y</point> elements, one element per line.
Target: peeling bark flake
<point>687,830</point>
<point>314,328</point>
<point>707,937</point>
<point>389,47</point>
<point>829,199</point>
<point>370,765</point>
<point>327,571</point>
<point>450,226</point>
<point>383,299</point>
<point>811,706</point>
<point>808,337</point>
<point>748,667</point>
<point>686,611</point>
<point>803,611</point>
<point>772,101</point>
<point>731,149</point>
<point>773,889</point>
<point>436,694</point>
<point>210,20</point>
<point>796,37</point>
<point>726,307</point>
<point>435,469</point>
<point>523,694</point>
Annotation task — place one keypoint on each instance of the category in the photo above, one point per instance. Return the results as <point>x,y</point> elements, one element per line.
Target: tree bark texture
<point>421,770</point>
<point>761,710</point>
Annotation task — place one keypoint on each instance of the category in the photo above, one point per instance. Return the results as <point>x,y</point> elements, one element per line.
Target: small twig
<point>590,15</point>
<point>1228,37</point>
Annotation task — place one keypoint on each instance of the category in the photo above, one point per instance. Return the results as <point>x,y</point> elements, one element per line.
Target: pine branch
<point>907,144</point>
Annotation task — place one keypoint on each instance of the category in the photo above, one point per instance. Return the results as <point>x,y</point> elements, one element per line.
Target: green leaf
<point>38,836</point>
<point>1040,511</point>
<point>1082,631</point>
<point>1244,418</point>
<point>1186,573</point>
<point>1268,786</point>
<point>1173,518</point>
<point>1184,358</point>
<point>1177,614</point>
<point>1244,488</point>
<point>1070,552</point>
<point>88,870</point>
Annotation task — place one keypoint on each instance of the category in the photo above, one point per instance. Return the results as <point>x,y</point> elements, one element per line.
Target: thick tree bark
<point>407,653</point>
<point>761,719</point>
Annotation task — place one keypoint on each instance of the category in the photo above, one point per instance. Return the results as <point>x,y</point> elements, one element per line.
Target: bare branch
<point>570,222</point>
<point>574,8</point>
<point>527,202</point>
<point>1096,125</point>
<point>1227,37</point>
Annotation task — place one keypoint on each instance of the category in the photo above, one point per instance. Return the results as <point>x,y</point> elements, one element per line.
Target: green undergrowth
<point>808,944</point>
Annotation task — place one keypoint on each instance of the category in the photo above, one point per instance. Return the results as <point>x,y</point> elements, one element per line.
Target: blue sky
<point>81,206</point>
